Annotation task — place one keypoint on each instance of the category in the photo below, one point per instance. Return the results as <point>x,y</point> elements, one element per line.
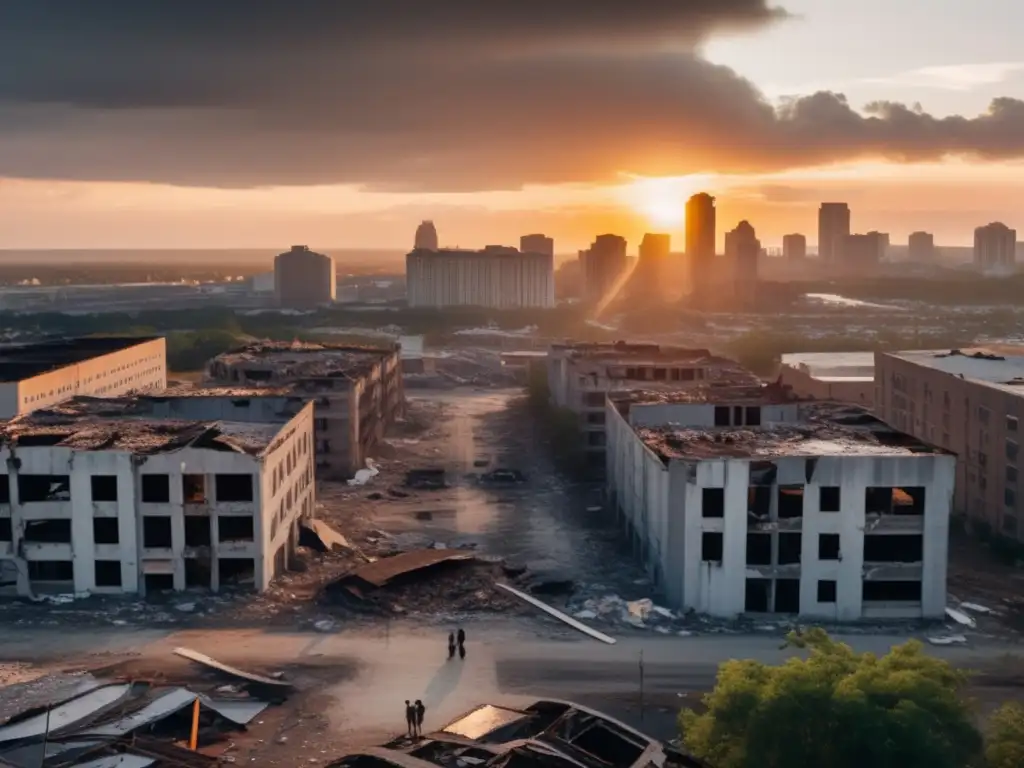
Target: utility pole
<point>641,685</point>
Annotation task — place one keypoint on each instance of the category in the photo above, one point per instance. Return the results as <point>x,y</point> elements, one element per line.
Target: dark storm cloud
<point>462,94</point>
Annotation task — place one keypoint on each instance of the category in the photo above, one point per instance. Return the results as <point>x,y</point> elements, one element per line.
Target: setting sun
<point>662,201</point>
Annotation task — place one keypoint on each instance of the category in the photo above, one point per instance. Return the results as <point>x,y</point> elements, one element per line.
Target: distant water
<point>843,302</point>
<point>165,257</point>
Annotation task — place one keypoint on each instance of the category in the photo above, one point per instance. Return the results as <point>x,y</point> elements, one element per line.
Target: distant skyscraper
<point>700,239</point>
<point>995,247</point>
<point>833,228</point>
<point>794,247</point>
<point>864,252</point>
<point>603,264</point>
<point>537,244</point>
<point>304,279</point>
<point>498,276</point>
<point>426,237</point>
<point>649,278</point>
<point>921,247</point>
<point>742,250</point>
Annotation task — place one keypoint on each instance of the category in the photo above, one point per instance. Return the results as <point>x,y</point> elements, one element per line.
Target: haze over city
<point>216,125</point>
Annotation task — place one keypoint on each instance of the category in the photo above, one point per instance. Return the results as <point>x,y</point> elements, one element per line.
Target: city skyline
<point>103,159</point>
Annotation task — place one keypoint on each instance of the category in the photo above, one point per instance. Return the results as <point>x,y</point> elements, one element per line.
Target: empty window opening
<point>711,547</point>
<point>789,548</point>
<point>763,472</point>
<point>758,596</point>
<point>108,573</point>
<point>892,591</point>
<point>5,489</point>
<point>791,501</point>
<point>48,531</point>
<point>894,501</point>
<point>828,498</point>
<point>237,570</point>
<point>759,501</point>
<point>232,528</point>
<point>156,489</point>
<point>894,549</point>
<point>198,573</point>
<point>787,596</point>
<point>32,488</point>
<point>51,570</point>
<point>753,416</point>
<point>158,582</point>
<point>721,416</point>
<point>712,503</point>
<point>759,549</point>
<point>104,487</point>
<point>737,415</point>
<point>193,489</point>
<point>197,531</point>
<point>826,591</point>
<point>595,418</point>
<point>828,546</point>
<point>5,529</point>
<point>105,530</point>
<point>156,532</point>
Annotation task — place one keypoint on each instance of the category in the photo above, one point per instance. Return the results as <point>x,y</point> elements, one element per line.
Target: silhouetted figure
<point>451,645</point>
<point>420,711</point>
<point>461,639</point>
<point>410,718</point>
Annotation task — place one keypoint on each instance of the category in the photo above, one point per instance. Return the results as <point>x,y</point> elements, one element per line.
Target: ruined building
<point>357,392</point>
<point>142,494</point>
<point>740,501</point>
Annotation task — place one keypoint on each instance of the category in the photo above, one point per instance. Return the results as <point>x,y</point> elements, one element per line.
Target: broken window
<point>892,591</point>
<point>158,582</point>
<point>826,591</point>
<point>5,489</point>
<point>594,399</point>
<point>828,498</point>
<point>596,418</point>
<point>232,528</point>
<point>48,531</point>
<point>108,573</point>
<point>712,502</point>
<point>237,570</point>
<point>894,501</point>
<point>758,596</point>
<point>197,573</point>
<point>790,545</point>
<point>894,548</point>
<point>105,530</point>
<point>32,488</point>
<point>721,416</point>
<point>156,489</point>
<point>711,547</point>
<point>156,531</point>
<point>759,501</point>
<point>787,596</point>
<point>753,416</point>
<point>193,489</point>
<point>6,534</point>
<point>233,487</point>
<point>197,531</point>
<point>759,549</point>
<point>828,546</point>
<point>595,438</point>
<point>791,501</point>
<point>104,487</point>
<point>1012,449</point>
<point>51,570</point>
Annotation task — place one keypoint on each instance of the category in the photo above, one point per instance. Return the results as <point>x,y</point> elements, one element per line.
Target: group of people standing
<point>414,717</point>
<point>457,640</point>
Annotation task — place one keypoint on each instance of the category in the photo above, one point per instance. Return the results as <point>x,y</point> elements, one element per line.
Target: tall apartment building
<point>921,247</point>
<point>794,247</point>
<point>742,251</point>
<point>304,279</point>
<point>426,237</point>
<point>995,248</point>
<point>497,277</point>
<point>44,373</point>
<point>357,392</point>
<point>650,279</point>
<point>580,376</point>
<point>701,236</point>
<point>741,502</point>
<point>537,244</point>
<point>970,402</point>
<point>833,229</point>
<point>150,493</point>
<point>864,252</point>
<point>604,267</point>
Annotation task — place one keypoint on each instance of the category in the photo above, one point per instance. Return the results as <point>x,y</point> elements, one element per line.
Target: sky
<point>254,123</point>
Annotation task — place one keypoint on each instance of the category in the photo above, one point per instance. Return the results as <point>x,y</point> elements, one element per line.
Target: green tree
<point>1004,742</point>
<point>836,709</point>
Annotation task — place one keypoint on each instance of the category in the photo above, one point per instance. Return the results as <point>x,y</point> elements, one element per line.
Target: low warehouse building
<point>741,502</point>
<point>138,494</point>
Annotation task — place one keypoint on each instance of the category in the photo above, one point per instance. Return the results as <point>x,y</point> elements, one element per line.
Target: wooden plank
<point>578,625</point>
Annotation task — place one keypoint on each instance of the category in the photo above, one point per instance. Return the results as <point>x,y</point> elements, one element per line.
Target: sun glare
<point>662,201</point>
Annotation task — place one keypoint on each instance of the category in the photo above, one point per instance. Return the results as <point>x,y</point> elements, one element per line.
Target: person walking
<point>451,646</point>
<point>461,639</point>
<point>410,718</point>
<point>420,711</point>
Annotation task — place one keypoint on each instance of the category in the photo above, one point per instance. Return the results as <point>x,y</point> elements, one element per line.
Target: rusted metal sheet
<point>206,661</point>
<point>67,715</point>
<point>382,571</point>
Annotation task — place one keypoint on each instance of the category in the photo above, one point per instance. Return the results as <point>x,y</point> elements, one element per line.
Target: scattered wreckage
<point>546,734</point>
<point>87,722</point>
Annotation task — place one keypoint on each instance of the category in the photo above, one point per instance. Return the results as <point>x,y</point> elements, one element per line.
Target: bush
<point>1004,743</point>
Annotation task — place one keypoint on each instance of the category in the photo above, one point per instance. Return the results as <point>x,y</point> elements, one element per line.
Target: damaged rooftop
<point>824,429</point>
<point>996,365</point>
<point>284,360</point>
<point>156,423</point>
<point>719,392</point>
<point>23,361</point>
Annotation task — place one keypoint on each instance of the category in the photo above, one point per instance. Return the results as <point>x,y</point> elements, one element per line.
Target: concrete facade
<point>39,375</point>
<point>845,377</point>
<point>357,390</point>
<point>849,525</point>
<point>143,494</point>
<point>304,279</point>
<point>970,402</point>
<point>498,277</point>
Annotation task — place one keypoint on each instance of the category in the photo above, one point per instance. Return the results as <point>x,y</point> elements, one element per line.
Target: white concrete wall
<point>703,414</point>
